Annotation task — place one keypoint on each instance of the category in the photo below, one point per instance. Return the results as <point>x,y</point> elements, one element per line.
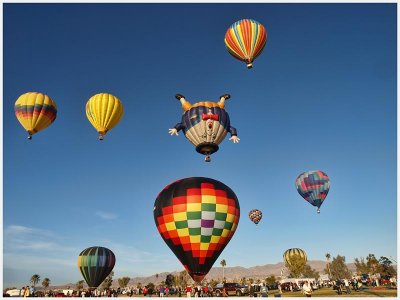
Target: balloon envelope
<point>313,186</point>
<point>104,112</point>
<point>95,264</point>
<point>35,111</point>
<point>245,40</point>
<point>290,254</point>
<point>255,215</point>
<point>197,218</point>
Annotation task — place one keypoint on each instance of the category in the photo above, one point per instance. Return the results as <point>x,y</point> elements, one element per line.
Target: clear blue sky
<point>321,96</point>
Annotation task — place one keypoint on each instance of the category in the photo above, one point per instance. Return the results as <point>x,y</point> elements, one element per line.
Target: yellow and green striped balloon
<point>104,112</point>
<point>35,111</point>
<point>95,263</point>
<point>292,253</point>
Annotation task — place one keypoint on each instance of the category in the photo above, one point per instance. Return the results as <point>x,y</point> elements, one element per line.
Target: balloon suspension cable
<point>207,158</point>
<point>318,210</point>
<point>101,137</point>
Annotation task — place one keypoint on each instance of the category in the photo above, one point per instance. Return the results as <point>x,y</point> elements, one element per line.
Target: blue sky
<point>322,95</point>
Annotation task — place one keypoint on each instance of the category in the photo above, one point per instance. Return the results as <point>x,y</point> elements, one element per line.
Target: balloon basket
<point>207,149</point>
<point>249,66</point>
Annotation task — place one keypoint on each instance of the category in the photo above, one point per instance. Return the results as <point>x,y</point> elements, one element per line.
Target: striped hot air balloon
<point>35,111</point>
<point>95,263</point>
<point>255,215</point>
<point>294,253</point>
<point>313,186</point>
<point>104,112</point>
<point>197,218</point>
<point>245,40</point>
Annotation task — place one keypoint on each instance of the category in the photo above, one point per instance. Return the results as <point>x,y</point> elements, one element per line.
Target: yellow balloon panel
<point>104,112</point>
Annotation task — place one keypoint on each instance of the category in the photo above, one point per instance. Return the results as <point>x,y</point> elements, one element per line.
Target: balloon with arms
<point>95,264</point>
<point>205,124</point>
<point>197,218</point>
<point>104,111</point>
<point>35,111</point>
<point>313,186</point>
<point>245,40</point>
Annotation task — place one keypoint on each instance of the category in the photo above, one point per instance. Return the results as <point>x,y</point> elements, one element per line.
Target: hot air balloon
<point>95,263</point>
<point>197,218</point>
<point>255,215</point>
<point>245,40</point>
<point>205,125</point>
<point>291,254</point>
<point>104,111</point>
<point>35,112</point>
<point>313,186</point>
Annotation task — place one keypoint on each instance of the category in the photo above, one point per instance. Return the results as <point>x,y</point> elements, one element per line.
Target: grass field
<point>329,292</point>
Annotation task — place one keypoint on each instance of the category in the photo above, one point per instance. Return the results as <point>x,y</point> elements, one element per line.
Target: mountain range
<point>231,273</point>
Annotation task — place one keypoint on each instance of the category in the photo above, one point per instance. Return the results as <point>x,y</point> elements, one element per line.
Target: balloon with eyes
<point>205,124</point>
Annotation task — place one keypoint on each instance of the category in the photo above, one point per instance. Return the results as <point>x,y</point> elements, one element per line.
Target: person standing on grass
<point>188,291</point>
<point>347,286</point>
<point>307,290</point>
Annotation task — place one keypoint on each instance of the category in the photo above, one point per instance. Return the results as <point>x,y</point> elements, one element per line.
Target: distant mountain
<point>231,273</point>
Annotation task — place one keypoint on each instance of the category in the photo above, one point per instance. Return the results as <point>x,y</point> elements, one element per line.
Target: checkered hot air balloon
<point>35,112</point>
<point>313,186</point>
<point>205,125</point>
<point>197,218</point>
<point>245,40</point>
<point>95,264</point>
<point>255,215</point>
<point>290,255</point>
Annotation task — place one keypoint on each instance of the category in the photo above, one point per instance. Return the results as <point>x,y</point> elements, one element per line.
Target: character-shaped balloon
<point>197,218</point>
<point>313,186</point>
<point>205,124</point>
<point>95,263</point>
<point>35,112</point>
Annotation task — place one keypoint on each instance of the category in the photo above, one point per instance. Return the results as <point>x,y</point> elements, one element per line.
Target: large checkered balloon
<point>197,217</point>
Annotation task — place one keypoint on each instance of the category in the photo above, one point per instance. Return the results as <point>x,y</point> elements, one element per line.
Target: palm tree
<point>46,283</point>
<point>35,279</point>
<point>328,257</point>
<point>223,264</point>
<point>79,285</point>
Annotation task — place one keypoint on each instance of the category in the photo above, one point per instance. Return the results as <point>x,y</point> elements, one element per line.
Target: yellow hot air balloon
<point>35,112</point>
<point>104,111</point>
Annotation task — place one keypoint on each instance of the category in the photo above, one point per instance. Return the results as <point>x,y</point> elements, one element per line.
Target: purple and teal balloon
<point>313,186</point>
<point>255,215</point>
<point>95,264</point>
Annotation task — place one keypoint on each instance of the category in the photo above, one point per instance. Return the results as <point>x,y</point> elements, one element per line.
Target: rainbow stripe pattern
<point>245,40</point>
<point>197,217</point>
